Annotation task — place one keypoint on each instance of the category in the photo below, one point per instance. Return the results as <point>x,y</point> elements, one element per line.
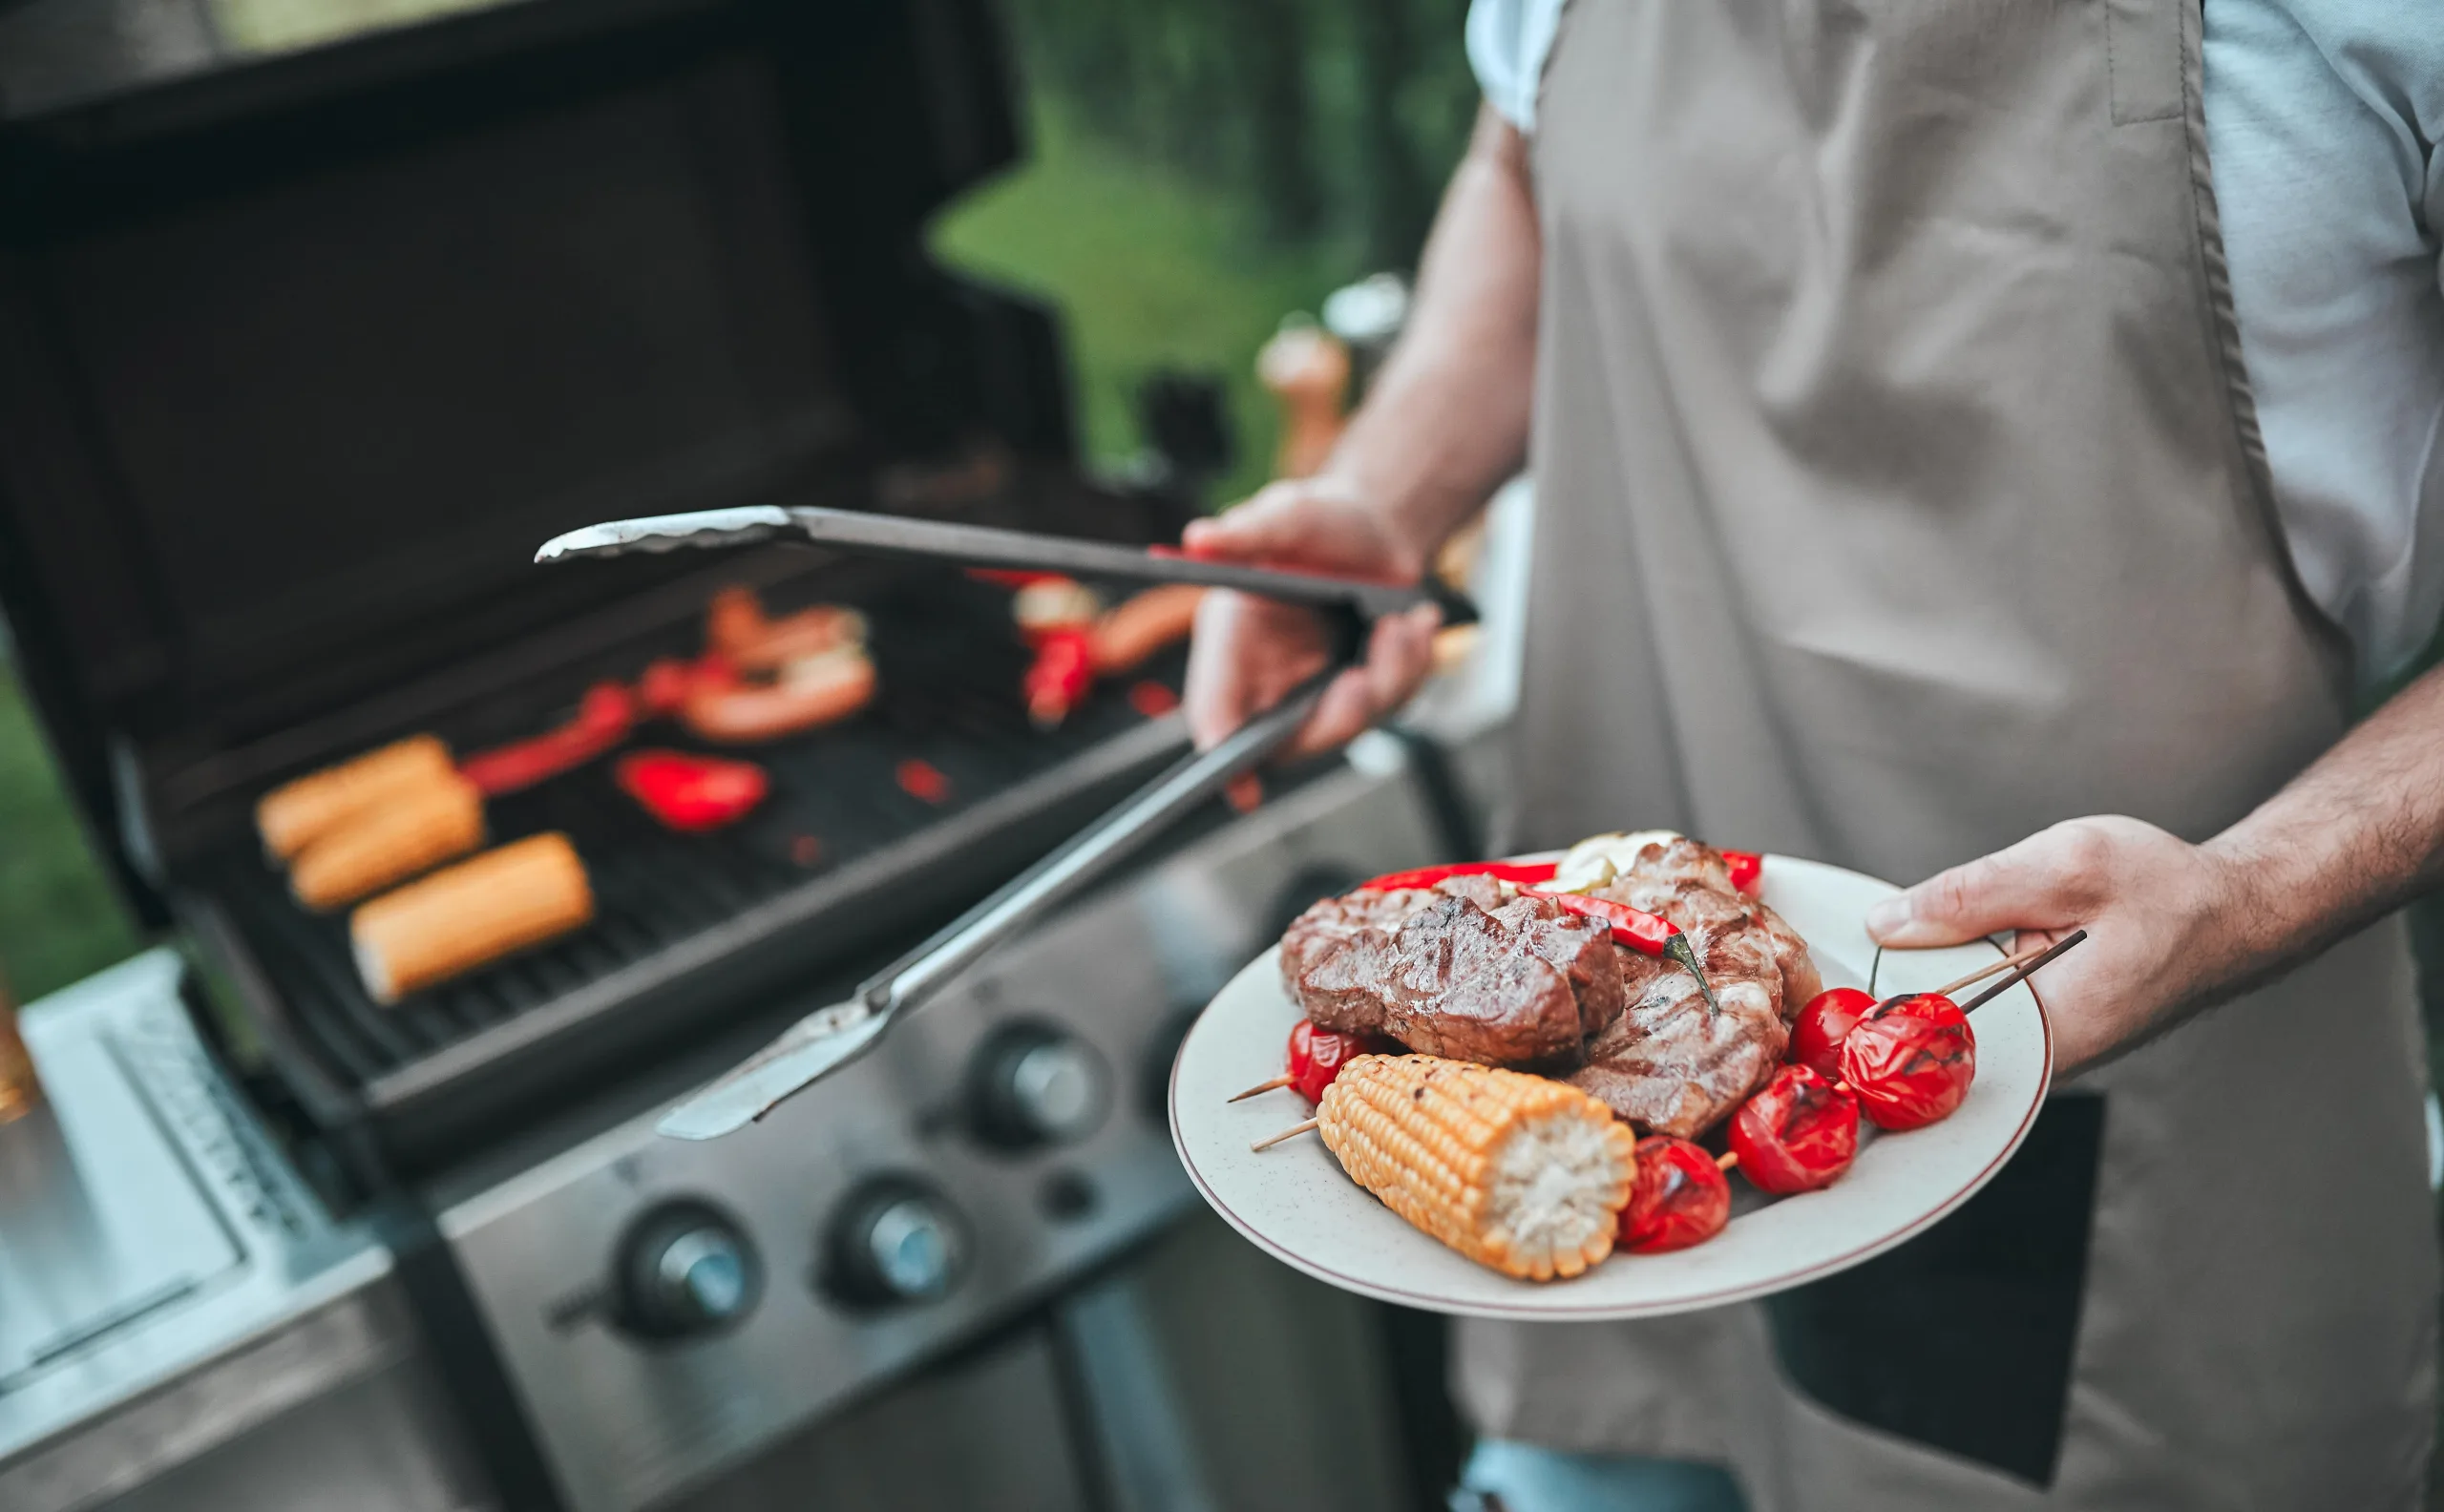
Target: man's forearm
<point>2354,837</point>
<point>1447,419</point>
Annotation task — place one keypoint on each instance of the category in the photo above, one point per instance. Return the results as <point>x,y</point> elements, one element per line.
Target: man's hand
<point>1249,651</point>
<point>2167,922</point>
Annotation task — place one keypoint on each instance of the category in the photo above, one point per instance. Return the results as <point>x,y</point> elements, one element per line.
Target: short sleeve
<point>1507,42</point>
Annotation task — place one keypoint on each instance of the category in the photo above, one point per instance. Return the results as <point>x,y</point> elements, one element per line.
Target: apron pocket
<point>1962,1339</point>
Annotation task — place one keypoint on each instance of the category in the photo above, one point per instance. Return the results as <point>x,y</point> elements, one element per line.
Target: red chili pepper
<point>1800,1133</point>
<point>1152,699</point>
<point>692,793</point>
<point>1910,1061</point>
<point>1317,1055</point>
<point>1521,873</point>
<point>662,690</point>
<point>921,780</point>
<point>1747,871</point>
<point>604,717</point>
<point>1061,675</point>
<point>1828,1020</point>
<point>1641,931</point>
<point>1680,1199</point>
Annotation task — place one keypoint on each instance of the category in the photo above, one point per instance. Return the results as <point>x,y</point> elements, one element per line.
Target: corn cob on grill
<point>1525,1175</point>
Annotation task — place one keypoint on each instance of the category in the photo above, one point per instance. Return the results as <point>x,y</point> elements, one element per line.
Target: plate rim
<point>1565,1311</point>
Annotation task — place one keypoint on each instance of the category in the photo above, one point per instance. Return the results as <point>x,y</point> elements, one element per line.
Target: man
<point>1902,502</point>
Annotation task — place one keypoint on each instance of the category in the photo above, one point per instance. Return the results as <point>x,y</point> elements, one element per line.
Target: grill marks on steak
<point>1669,1065</point>
<point>1462,974</point>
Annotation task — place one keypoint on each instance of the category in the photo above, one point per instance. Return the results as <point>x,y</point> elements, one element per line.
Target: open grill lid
<point>453,291</point>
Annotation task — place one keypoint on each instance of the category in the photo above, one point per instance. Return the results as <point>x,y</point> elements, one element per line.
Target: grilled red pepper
<point>1747,871</point>
<point>692,793</point>
<point>1800,1133</point>
<point>1828,1020</point>
<point>1910,1061</point>
<point>604,717</point>
<point>1521,873</point>
<point>1680,1199</point>
<point>1061,675</point>
<point>662,691</point>
<point>921,780</point>
<point>1317,1055</point>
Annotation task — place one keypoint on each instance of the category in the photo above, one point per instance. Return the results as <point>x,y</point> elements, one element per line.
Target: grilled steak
<point>1667,1063</point>
<point>1518,982</point>
<point>1460,970</point>
<point>1688,882</point>
<point>1668,1066</point>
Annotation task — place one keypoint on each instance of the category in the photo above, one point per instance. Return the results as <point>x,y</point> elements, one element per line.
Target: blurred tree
<point>1333,120</point>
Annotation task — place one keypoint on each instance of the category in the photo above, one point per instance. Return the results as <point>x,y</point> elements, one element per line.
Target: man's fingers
<point>1399,655</point>
<point>1346,708</point>
<point>2041,883</point>
<point>1216,695</point>
<point>1261,528</point>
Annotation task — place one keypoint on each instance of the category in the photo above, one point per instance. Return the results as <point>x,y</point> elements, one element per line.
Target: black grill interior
<point>950,665</point>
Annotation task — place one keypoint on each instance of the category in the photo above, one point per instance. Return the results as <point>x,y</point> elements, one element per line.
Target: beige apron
<point>1899,496</point>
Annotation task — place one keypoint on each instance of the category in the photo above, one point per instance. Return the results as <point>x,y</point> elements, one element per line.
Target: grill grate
<point>950,667</point>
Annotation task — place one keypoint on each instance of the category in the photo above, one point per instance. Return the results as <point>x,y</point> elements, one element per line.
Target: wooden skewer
<point>2023,973</point>
<point>1990,969</point>
<point>1726,1160</point>
<point>1261,1086</point>
<point>1270,1140</point>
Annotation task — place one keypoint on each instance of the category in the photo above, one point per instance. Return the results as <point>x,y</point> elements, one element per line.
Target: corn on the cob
<point>470,915</point>
<point>410,831</point>
<point>292,815</point>
<point>1525,1175</point>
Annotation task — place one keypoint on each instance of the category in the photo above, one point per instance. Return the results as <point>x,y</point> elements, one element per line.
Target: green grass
<point>1148,270</point>
<point>60,920</point>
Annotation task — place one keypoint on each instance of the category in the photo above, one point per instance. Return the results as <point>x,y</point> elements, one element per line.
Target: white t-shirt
<point>2323,119</point>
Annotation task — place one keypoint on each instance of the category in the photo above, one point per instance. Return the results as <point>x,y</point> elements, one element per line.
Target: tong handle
<point>917,974</point>
<point>984,546</point>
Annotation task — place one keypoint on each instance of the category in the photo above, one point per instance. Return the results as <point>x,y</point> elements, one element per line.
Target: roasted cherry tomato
<point>1910,1061</point>
<point>1933,1007</point>
<point>1680,1199</point>
<point>1317,1055</point>
<point>1800,1133</point>
<point>1816,1039</point>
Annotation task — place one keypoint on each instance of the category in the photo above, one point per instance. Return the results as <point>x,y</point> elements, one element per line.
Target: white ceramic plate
<point>1294,1200</point>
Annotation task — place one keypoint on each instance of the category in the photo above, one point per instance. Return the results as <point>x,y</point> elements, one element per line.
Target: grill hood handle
<point>831,1037</point>
<point>873,535</point>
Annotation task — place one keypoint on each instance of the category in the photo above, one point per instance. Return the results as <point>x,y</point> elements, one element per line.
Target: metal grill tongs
<point>831,1037</point>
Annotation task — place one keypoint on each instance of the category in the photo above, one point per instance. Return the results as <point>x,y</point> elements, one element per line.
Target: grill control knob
<point>894,1240</point>
<point>1032,1084</point>
<point>686,1270</point>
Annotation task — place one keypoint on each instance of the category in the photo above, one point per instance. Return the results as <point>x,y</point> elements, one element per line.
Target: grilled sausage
<point>1124,637</point>
<point>290,816</point>
<point>816,690</point>
<point>470,916</point>
<point>412,830</point>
